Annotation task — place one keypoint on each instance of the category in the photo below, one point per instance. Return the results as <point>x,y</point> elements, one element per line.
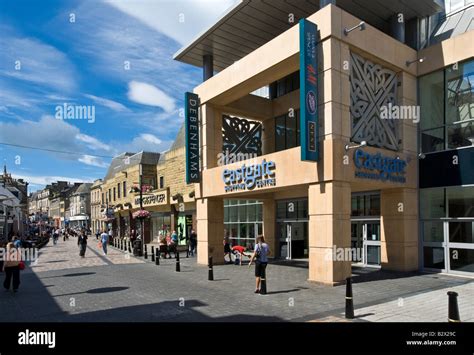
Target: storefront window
<point>432,203</point>
<point>243,221</point>
<point>432,100</point>
<point>461,232</point>
<point>433,231</point>
<point>433,258</point>
<point>460,201</point>
<point>365,205</point>
<point>461,259</point>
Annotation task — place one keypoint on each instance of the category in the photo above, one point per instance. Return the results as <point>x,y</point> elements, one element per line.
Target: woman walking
<point>82,242</point>
<point>260,255</point>
<point>11,266</point>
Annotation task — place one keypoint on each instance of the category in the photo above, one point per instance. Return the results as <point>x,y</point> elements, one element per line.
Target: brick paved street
<point>64,287</point>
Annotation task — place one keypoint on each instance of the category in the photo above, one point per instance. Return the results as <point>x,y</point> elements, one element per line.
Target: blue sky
<point>114,55</point>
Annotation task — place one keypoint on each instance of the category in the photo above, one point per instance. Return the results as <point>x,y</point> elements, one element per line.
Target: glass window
<point>252,213</point>
<point>433,231</point>
<point>432,203</point>
<point>357,205</point>
<point>433,258</point>
<point>291,209</point>
<point>303,209</point>
<point>460,201</point>
<point>118,190</point>
<point>372,204</point>
<point>460,92</point>
<point>461,232</point>
<point>280,133</point>
<point>432,140</point>
<point>243,213</point>
<point>290,132</point>
<point>233,214</point>
<point>461,259</point>
<point>226,214</point>
<point>162,182</point>
<point>281,210</point>
<point>431,100</point>
<point>460,135</point>
<point>124,189</point>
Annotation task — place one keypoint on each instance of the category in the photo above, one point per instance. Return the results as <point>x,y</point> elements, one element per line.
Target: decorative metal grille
<point>241,136</point>
<point>372,87</point>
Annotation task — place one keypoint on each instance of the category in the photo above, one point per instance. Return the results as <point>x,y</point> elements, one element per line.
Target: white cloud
<point>34,62</point>
<point>113,105</point>
<point>150,138</point>
<point>150,95</point>
<point>94,161</point>
<point>92,142</point>
<point>177,19</point>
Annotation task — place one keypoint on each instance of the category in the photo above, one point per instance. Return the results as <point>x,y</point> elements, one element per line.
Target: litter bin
<point>137,248</point>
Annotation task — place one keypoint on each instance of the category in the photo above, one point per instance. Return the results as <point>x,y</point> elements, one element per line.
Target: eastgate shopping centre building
<point>336,135</point>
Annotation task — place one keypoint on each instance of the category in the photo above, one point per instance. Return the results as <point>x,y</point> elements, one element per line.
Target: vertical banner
<point>308,91</point>
<point>191,102</point>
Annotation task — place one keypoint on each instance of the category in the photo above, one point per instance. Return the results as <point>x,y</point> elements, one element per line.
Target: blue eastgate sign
<point>308,91</point>
<point>379,167</point>
<point>249,177</point>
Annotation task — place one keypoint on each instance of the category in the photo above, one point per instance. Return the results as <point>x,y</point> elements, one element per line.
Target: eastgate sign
<point>249,177</point>
<point>385,168</point>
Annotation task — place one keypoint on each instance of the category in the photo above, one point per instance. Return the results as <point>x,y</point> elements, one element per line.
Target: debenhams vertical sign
<point>192,137</point>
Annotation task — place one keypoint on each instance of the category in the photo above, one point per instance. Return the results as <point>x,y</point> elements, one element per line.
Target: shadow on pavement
<point>360,274</point>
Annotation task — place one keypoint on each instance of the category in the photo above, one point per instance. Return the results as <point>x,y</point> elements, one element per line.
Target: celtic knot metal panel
<point>241,136</point>
<point>372,86</point>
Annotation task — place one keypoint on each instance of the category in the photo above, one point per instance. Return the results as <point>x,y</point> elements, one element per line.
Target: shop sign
<point>192,137</point>
<point>249,177</point>
<point>379,167</point>
<point>150,200</point>
<point>308,91</point>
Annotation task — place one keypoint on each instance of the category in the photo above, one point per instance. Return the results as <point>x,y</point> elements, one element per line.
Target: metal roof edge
<point>229,12</point>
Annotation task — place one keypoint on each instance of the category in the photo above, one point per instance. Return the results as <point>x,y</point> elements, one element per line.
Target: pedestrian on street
<point>104,238</point>
<point>97,234</point>
<point>193,242</point>
<point>11,266</point>
<point>82,242</point>
<point>173,246</point>
<point>260,256</point>
<point>227,250</point>
<point>239,252</point>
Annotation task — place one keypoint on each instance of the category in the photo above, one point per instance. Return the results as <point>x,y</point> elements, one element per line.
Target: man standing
<point>193,242</point>
<point>104,238</point>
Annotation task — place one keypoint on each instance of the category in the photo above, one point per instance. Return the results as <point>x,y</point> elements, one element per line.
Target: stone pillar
<point>399,229</point>
<point>211,136</point>
<point>329,226</point>
<point>210,230</point>
<point>269,225</point>
<point>207,67</point>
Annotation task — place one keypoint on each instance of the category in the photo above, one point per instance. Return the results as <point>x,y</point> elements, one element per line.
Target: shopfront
<point>292,229</point>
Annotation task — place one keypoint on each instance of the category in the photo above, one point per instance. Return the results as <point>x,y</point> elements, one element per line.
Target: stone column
<point>269,225</point>
<point>210,230</point>
<point>399,229</point>
<point>329,226</point>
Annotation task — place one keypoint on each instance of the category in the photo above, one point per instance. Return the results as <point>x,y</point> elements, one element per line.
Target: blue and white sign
<point>249,177</point>
<point>191,102</point>
<point>379,167</point>
<point>308,91</point>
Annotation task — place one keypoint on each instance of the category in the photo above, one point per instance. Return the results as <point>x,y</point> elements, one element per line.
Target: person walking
<point>192,242</point>
<point>104,239</point>
<point>227,250</point>
<point>260,255</point>
<point>82,243</point>
<point>97,234</point>
<point>11,266</point>
<point>174,243</point>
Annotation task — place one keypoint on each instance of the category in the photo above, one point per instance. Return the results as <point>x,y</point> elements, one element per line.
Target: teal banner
<point>191,124</point>
<point>308,91</point>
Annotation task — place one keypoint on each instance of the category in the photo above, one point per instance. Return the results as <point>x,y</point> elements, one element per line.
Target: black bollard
<point>178,266</point>
<point>453,310</point>
<point>157,258</point>
<point>263,284</point>
<point>349,302</point>
<point>152,253</point>
<point>210,276</point>
<point>146,252</point>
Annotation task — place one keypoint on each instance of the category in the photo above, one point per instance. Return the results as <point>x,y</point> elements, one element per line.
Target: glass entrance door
<point>293,241</point>
<point>365,242</point>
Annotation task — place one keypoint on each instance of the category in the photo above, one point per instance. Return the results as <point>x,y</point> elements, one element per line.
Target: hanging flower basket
<point>141,214</point>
